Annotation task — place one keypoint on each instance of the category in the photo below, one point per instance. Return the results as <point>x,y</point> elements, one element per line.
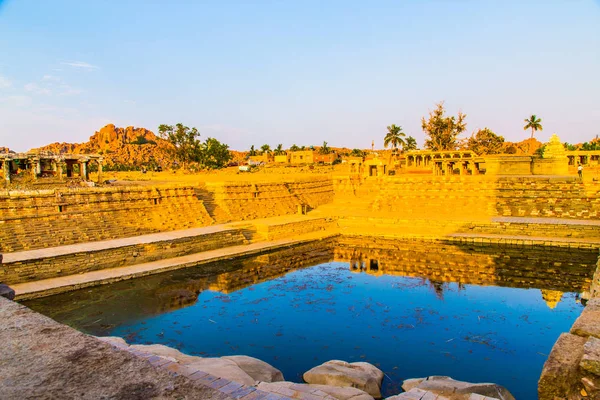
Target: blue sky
<point>255,72</point>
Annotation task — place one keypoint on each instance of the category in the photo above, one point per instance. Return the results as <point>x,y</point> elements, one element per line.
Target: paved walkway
<point>547,221</point>
<point>112,244</point>
<point>71,282</point>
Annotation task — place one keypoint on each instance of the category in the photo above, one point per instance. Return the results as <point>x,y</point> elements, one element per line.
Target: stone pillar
<point>34,168</point>
<point>6,170</point>
<point>59,170</point>
<point>83,170</point>
<point>99,171</point>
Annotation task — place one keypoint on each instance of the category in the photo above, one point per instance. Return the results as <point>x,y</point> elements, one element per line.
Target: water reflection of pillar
<point>551,297</point>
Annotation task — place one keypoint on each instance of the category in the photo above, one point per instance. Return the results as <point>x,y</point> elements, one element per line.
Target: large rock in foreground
<point>324,392</point>
<point>447,388</point>
<point>257,369</point>
<point>561,370</point>
<point>360,375</point>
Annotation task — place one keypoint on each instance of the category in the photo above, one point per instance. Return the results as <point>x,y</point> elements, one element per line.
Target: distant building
<point>325,158</point>
<point>40,164</point>
<point>282,159</point>
<point>262,158</point>
<point>303,157</point>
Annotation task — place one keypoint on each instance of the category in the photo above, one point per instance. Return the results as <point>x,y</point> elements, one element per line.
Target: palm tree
<point>411,144</point>
<point>279,150</point>
<point>266,149</point>
<point>324,149</point>
<point>294,147</point>
<point>302,148</point>
<point>394,137</point>
<point>534,123</point>
<point>252,151</point>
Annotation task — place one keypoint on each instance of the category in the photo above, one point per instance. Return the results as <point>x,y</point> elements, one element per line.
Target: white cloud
<point>81,64</point>
<point>35,88</point>
<point>66,90</point>
<point>4,82</point>
<point>51,78</point>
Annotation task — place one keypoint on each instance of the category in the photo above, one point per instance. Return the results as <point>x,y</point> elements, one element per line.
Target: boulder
<point>300,390</point>
<point>6,291</point>
<point>257,369</point>
<point>560,374</point>
<point>222,368</point>
<point>588,323</point>
<point>591,356</point>
<point>114,340</point>
<point>411,383</point>
<point>166,352</point>
<point>446,386</point>
<point>360,375</point>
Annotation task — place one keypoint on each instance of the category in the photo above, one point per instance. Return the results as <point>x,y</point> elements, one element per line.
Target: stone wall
<point>48,218</point>
<point>76,262</point>
<point>472,197</point>
<point>245,201</point>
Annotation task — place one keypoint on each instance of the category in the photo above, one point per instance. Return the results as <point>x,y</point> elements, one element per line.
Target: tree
<point>186,144</point>
<point>324,149</point>
<point>266,149</point>
<point>569,146</point>
<point>394,137</point>
<point>533,123</point>
<point>484,141</point>
<point>252,152</point>
<point>311,147</point>
<point>279,150</point>
<point>214,154</point>
<point>441,130</point>
<point>411,144</point>
<point>357,153</point>
<point>294,148</point>
<point>302,148</point>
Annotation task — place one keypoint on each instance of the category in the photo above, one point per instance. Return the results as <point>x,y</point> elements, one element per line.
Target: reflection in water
<point>413,308</point>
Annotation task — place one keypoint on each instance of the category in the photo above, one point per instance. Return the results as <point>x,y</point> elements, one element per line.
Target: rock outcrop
<point>241,369</point>
<point>360,375</point>
<point>120,146</point>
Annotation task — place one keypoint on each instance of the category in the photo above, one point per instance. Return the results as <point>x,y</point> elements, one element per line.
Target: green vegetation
<point>411,144</point>
<point>279,150</point>
<point>443,131</point>
<point>357,153</point>
<point>265,149</point>
<point>141,140</point>
<point>569,146</point>
<point>252,152</point>
<point>187,148</point>
<point>394,137</point>
<point>484,141</point>
<point>324,149</point>
<point>533,123</point>
<point>294,148</point>
<point>590,146</point>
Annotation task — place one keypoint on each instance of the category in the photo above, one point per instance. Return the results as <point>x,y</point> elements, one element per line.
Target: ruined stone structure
<point>49,164</point>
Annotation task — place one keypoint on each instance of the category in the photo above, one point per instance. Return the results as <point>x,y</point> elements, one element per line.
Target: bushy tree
<point>252,152</point>
<point>186,143</point>
<point>443,131</point>
<point>294,148</point>
<point>569,146</point>
<point>484,141</point>
<point>266,149</point>
<point>534,123</point>
<point>187,148</point>
<point>324,149</point>
<point>394,137</point>
<point>279,150</point>
<point>214,154</point>
<point>357,153</point>
<point>411,144</point>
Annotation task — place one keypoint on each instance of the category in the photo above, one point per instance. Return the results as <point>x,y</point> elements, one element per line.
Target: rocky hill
<point>120,146</point>
<point>526,147</point>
